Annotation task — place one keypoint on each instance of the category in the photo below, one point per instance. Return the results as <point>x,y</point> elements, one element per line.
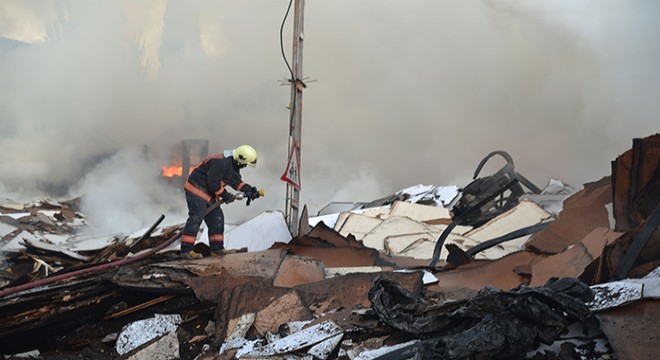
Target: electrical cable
<point>286,15</point>
<point>293,76</point>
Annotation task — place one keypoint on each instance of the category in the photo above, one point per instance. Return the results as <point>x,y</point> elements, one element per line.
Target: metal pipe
<point>147,233</point>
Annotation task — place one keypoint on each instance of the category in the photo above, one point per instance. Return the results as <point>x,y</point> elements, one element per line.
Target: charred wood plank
<point>142,306</point>
<point>35,328</point>
<point>54,307</point>
<point>153,279</point>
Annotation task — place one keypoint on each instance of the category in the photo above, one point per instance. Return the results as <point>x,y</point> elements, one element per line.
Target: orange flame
<point>172,170</point>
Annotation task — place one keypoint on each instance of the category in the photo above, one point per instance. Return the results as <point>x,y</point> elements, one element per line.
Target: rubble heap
<point>497,269</point>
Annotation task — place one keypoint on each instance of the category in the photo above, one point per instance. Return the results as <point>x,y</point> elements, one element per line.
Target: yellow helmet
<point>245,155</point>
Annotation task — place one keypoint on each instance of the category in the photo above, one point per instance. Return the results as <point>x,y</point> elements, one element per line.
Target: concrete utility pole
<point>292,172</point>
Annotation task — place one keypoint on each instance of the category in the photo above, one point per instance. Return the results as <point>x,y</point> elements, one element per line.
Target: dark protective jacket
<point>209,178</point>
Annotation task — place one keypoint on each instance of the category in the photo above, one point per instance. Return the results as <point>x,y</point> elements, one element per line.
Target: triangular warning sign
<point>292,173</point>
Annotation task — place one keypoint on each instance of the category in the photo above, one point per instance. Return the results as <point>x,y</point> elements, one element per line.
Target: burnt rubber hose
<point>457,220</point>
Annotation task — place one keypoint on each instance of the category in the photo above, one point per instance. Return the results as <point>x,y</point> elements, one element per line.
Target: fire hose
<point>52,279</point>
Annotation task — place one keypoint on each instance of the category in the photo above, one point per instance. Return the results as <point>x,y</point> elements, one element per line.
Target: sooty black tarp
<point>494,324</point>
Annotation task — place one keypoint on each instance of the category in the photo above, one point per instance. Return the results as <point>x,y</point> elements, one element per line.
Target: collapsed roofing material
<point>250,234</point>
<point>141,332</point>
<point>306,338</point>
<point>583,212</point>
<point>431,195</point>
<point>636,182</point>
<point>524,215</point>
<point>575,259</point>
<point>410,229</point>
<point>552,197</point>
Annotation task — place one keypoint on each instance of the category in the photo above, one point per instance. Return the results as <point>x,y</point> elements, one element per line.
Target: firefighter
<point>207,184</point>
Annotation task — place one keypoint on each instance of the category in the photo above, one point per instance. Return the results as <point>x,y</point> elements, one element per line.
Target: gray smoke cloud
<point>407,93</point>
<point>122,193</point>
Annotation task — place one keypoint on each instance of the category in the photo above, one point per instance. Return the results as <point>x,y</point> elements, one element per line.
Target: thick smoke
<point>407,93</point>
<point>563,86</point>
<point>122,192</point>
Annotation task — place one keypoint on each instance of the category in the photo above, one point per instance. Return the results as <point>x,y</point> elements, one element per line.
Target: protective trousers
<point>215,220</point>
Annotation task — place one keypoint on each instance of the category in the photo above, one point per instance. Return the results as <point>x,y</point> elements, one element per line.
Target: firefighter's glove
<point>227,197</point>
<point>251,193</point>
